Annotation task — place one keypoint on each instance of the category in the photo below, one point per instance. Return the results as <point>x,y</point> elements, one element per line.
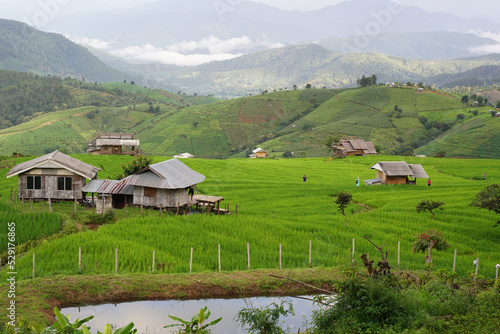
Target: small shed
<point>259,153</point>
<point>164,184</point>
<point>114,143</point>
<point>54,176</point>
<point>120,194</point>
<point>354,147</point>
<point>399,172</point>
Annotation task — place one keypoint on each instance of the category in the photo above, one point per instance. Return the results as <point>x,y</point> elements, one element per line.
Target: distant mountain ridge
<point>23,48</point>
<point>166,23</point>
<point>307,64</point>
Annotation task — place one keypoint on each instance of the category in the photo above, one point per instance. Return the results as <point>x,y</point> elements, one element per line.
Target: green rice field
<point>275,207</point>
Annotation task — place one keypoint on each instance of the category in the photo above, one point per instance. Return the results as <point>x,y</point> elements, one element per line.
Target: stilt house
<point>354,147</point>
<point>164,185</point>
<point>54,176</point>
<point>397,172</point>
<point>114,143</point>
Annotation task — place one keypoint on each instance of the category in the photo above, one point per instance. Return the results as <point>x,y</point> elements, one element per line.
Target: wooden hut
<point>54,176</point>
<point>114,143</point>
<point>398,172</point>
<point>161,185</point>
<point>354,147</point>
<point>259,153</point>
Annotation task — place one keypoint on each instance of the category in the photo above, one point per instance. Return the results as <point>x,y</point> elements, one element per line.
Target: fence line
<point>38,269</point>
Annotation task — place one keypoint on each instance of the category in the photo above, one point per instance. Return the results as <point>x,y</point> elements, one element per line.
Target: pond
<point>149,317</point>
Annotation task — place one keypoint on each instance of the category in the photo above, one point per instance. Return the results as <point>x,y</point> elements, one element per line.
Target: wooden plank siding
<point>165,198</point>
<point>49,185</point>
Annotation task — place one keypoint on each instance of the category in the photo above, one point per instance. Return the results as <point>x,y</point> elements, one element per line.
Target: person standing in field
<point>484,176</point>
<point>429,182</point>
<point>357,182</point>
<point>304,178</point>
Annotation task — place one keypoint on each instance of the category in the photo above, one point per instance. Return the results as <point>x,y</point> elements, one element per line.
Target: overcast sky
<point>17,9</point>
<point>28,10</point>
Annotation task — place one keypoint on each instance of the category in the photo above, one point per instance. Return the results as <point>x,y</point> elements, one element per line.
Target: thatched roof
<point>400,168</point>
<point>55,160</point>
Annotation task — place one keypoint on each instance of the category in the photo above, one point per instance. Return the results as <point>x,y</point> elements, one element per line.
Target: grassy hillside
<point>288,120</point>
<point>301,120</point>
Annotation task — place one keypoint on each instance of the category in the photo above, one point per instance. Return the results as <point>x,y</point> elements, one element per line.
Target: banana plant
<point>195,326</point>
<point>128,329</point>
<point>62,325</point>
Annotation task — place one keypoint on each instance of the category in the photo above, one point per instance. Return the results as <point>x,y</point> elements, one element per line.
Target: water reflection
<point>149,317</point>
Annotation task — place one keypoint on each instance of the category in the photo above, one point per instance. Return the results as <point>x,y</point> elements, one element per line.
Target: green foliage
<point>265,320</point>
<point>139,163</point>
<point>429,205</point>
<point>196,325</point>
<point>343,199</point>
<point>430,239</point>
<point>488,198</point>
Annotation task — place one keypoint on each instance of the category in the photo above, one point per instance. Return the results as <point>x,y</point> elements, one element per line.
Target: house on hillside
<point>354,147</point>
<point>114,143</point>
<point>161,185</point>
<point>258,153</point>
<point>55,176</point>
<point>397,172</point>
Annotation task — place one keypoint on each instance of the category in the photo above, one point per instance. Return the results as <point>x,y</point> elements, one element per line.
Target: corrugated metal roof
<point>418,171</point>
<point>108,187</point>
<point>65,161</point>
<point>117,142</point>
<point>400,168</point>
<point>170,174</point>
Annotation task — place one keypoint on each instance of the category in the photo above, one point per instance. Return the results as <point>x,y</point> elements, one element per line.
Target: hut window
<point>34,182</point>
<point>149,192</point>
<point>64,183</point>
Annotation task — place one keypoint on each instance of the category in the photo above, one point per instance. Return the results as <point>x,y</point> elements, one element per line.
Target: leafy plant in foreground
<point>265,320</point>
<point>196,325</point>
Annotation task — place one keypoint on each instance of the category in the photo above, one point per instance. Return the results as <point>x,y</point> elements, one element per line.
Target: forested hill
<point>23,48</point>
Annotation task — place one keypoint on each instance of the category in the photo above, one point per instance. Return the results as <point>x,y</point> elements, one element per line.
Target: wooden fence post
<point>496,274</point>
<point>74,213</point>
<point>33,265</point>
<point>477,265</point>
<point>153,269</point>
<point>248,254</point>
<point>280,256</point>
<point>236,210</point>
<point>219,256</point>
<point>399,252</point>
<point>353,246</point>
<point>79,259</point>
<point>116,260</point>
<point>103,204</point>
<point>455,260</point>
<point>50,205</point>
<point>310,252</point>
<point>191,261</point>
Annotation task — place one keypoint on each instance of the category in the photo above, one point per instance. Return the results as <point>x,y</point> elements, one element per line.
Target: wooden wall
<point>49,187</point>
<point>165,198</point>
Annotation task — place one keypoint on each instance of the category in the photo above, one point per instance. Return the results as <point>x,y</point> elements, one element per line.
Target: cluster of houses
<point>59,177</point>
